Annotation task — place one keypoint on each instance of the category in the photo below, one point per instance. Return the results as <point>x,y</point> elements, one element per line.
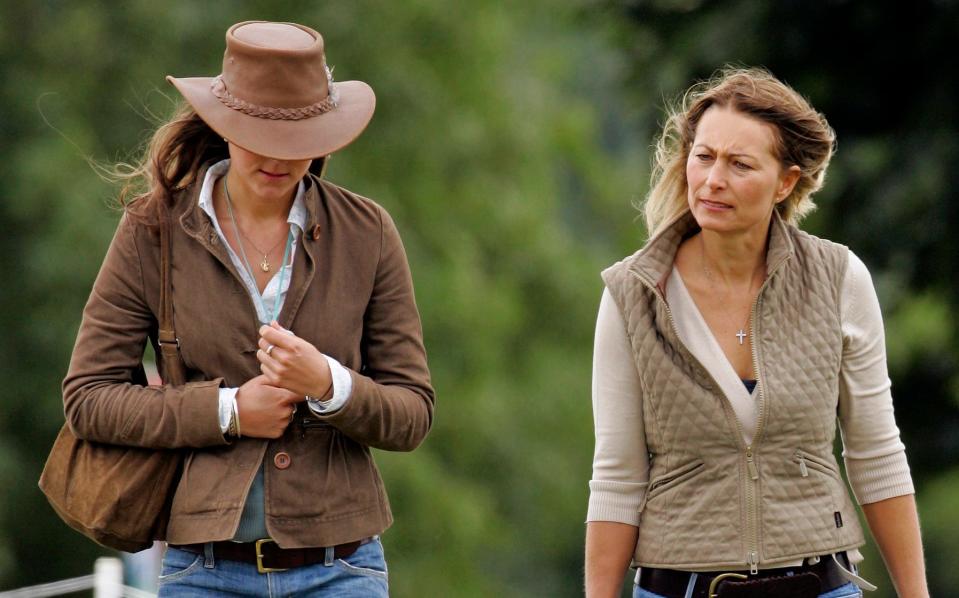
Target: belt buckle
<point>259,557</point>
<point>714,584</point>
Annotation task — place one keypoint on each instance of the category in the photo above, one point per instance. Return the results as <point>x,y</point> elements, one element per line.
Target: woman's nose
<point>716,178</point>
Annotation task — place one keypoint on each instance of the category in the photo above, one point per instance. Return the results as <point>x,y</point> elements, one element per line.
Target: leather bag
<point>120,496</point>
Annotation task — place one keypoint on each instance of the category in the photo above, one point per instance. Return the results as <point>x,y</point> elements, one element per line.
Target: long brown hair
<point>177,151</point>
<point>803,139</point>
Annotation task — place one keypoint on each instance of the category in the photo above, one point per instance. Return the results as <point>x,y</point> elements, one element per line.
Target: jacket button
<point>282,460</point>
<point>316,232</point>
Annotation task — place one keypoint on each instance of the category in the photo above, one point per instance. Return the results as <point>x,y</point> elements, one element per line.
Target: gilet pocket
<point>807,463</point>
<point>674,478</point>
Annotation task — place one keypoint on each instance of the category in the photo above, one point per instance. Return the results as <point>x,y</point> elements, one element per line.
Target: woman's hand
<point>292,363</point>
<point>265,410</point>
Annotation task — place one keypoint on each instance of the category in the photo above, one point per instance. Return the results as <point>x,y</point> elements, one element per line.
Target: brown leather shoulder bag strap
<point>166,335</point>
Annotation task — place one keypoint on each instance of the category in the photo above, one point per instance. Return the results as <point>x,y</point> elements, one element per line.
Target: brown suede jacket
<point>351,296</point>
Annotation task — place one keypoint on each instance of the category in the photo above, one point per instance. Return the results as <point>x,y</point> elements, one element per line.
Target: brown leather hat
<point>276,96</point>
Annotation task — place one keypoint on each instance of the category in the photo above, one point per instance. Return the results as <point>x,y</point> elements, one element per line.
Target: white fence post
<point>108,578</point>
<point>106,581</point>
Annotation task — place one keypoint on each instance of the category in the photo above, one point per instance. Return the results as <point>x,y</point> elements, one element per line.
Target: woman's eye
<point>703,157</point>
<point>742,165</point>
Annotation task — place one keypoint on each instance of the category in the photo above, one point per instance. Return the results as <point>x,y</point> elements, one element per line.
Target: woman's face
<point>262,178</point>
<point>733,176</point>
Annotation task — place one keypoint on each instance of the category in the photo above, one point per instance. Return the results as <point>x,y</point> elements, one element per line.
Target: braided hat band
<point>218,87</point>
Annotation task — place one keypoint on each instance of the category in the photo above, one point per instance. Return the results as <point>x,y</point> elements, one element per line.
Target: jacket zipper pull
<point>753,471</point>
<point>753,561</point>
<point>802,466</point>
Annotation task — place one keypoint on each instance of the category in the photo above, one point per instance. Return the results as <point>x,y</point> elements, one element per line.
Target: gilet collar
<point>655,260</point>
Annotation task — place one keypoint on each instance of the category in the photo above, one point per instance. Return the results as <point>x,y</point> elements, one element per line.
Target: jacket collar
<point>655,260</point>
<point>197,225</point>
<point>304,269</point>
<point>315,196</point>
<point>195,222</point>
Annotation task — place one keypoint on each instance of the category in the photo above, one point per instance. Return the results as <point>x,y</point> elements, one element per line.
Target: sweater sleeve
<point>620,460</point>
<point>875,456</point>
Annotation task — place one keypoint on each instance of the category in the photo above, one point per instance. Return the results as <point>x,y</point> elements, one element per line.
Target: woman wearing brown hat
<point>295,319</point>
<point>726,350</point>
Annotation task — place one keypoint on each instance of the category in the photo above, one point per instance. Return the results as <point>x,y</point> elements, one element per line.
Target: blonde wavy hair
<point>803,139</point>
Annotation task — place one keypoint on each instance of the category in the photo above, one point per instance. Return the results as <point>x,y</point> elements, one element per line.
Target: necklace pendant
<point>741,335</point>
<point>265,266</point>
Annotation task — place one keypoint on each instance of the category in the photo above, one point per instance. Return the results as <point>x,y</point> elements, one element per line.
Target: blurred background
<point>511,142</point>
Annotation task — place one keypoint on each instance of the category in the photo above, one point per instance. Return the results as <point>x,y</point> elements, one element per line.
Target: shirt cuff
<point>615,501</point>
<point>342,389</point>
<point>879,478</point>
<point>227,399</point>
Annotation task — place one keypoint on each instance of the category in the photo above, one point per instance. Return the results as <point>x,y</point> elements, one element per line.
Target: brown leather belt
<point>672,583</point>
<point>268,556</point>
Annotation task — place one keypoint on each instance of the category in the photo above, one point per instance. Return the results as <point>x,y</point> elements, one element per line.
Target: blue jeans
<point>849,590</point>
<point>361,575</point>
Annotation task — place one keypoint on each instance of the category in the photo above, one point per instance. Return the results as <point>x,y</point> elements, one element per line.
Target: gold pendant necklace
<point>265,262</point>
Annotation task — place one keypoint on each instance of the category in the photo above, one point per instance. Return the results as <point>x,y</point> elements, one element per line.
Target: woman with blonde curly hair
<point>726,349</point>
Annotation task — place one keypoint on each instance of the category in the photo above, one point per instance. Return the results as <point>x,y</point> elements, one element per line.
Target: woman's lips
<point>714,205</point>
<point>272,175</point>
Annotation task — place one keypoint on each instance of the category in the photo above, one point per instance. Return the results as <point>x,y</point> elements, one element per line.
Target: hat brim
<point>302,139</point>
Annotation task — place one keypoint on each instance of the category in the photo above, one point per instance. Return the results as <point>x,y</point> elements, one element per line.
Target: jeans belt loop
<point>208,562</point>
<point>329,557</point>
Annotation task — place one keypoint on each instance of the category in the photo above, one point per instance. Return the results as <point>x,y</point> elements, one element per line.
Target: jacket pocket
<point>311,424</point>
<point>673,478</point>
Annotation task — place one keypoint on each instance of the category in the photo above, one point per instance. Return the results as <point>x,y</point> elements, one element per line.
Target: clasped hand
<point>292,368</point>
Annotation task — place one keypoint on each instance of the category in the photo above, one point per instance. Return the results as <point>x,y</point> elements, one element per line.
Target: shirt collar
<point>297,216</point>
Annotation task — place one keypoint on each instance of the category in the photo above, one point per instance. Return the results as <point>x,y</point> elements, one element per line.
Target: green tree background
<point>510,143</point>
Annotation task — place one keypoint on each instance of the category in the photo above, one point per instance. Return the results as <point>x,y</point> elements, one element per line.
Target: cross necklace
<point>742,334</point>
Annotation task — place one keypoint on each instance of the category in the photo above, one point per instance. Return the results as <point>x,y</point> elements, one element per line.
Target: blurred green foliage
<point>510,144</point>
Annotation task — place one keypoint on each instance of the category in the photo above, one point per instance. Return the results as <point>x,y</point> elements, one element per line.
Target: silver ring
<point>293,414</point>
<point>269,350</point>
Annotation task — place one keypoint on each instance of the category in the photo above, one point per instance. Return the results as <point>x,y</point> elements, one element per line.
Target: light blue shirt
<point>342,382</point>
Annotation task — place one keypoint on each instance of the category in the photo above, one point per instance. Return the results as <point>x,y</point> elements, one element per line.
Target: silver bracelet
<point>234,429</point>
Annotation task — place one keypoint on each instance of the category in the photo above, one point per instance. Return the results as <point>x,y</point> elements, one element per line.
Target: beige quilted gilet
<point>712,501</point>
